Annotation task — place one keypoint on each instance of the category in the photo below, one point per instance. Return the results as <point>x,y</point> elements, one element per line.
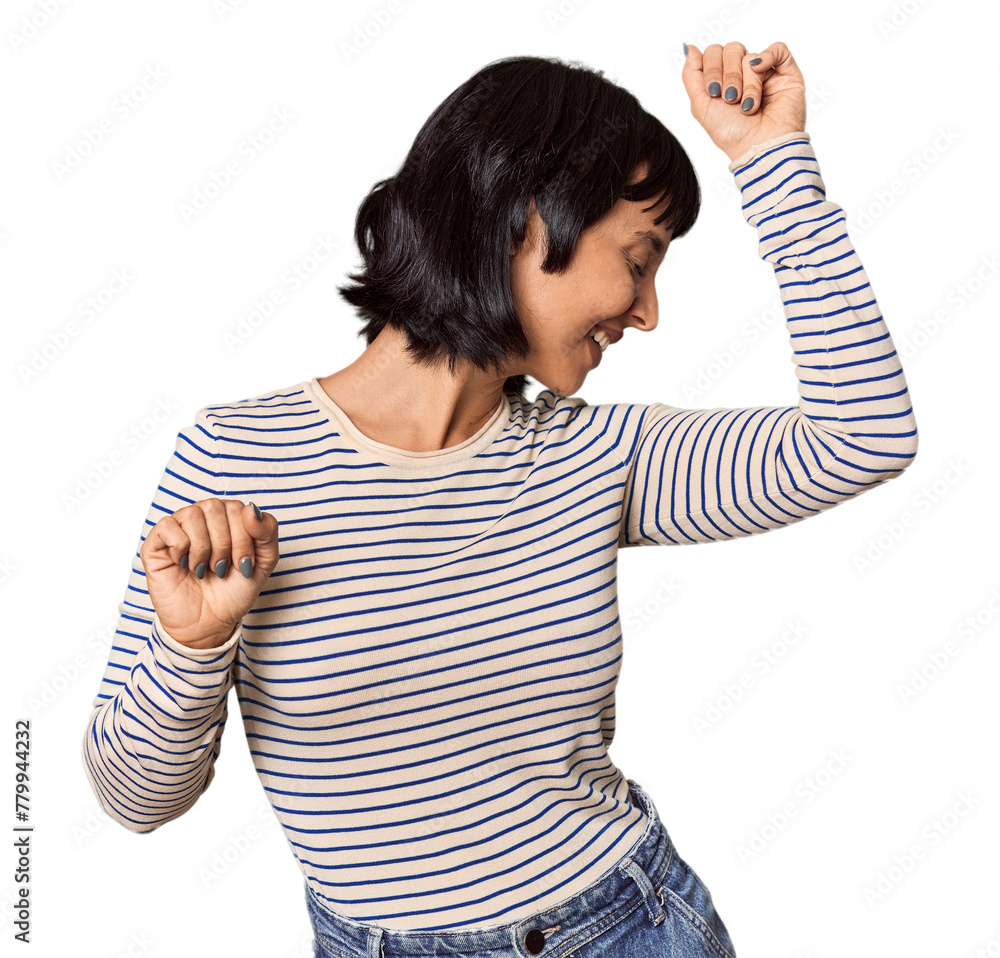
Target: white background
<point>898,93</point>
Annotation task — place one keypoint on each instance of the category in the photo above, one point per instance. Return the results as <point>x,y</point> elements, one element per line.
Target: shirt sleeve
<point>704,475</point>
<point>155,730</point>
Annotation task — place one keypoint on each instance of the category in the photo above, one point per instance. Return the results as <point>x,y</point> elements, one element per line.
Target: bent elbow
<point>904,449</point>
<point>881,456</point>
<point>113,811</point>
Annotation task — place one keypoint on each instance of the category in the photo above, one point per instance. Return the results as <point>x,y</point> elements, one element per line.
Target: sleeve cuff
<point>758,148</point>
<point>181,655</point>
<point>782,180</point>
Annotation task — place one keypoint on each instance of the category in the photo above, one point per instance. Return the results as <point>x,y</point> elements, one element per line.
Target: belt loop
<point>375,947</point>
<point>653,905</point>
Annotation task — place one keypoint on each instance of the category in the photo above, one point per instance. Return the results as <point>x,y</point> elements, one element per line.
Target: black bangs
<point>670,175</point>
<point>436,237</point>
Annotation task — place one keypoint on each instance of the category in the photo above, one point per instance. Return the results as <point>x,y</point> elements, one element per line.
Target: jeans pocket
<point>689,897</point>
<point>324,948</point>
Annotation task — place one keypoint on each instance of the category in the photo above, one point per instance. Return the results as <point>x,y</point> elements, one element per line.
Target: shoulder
<point>619,425</point>
<point>600,414</point>
<point>262,411</point>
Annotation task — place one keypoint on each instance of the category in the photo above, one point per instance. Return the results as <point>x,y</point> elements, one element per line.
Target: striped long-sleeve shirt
<point>427,679</point>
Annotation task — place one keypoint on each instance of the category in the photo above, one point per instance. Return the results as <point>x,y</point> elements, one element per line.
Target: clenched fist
<point>743,98</point>
<point>205,565</point>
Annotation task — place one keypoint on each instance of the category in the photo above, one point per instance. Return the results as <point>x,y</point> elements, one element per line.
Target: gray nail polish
<point>184,562</point>
<point>200,571</point>
<point>748,103</point>
<point>755,61</point>
<point>731,93</point>
<point>246,567</point>
<point>714,89</point>
<point>256,511</point>
<point>220,568</point>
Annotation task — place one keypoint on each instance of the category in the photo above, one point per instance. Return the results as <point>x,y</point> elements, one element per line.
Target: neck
<point>395,401</point>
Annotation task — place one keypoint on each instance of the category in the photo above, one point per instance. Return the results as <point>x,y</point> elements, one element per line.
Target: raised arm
<point>155,731</point>
<point>703,475</point>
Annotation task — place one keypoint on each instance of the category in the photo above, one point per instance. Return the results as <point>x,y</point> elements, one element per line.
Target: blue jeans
<point>650,905</point>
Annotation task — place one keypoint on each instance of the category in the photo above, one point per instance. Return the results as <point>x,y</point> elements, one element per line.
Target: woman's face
<point>601,288</point>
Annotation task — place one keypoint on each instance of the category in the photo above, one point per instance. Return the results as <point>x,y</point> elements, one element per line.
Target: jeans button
<point>534,941</point>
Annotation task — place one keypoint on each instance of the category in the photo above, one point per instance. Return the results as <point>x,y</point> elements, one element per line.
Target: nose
<point>644,311</point>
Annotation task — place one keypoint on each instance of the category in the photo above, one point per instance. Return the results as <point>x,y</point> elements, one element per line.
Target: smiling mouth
<point>601,338</point>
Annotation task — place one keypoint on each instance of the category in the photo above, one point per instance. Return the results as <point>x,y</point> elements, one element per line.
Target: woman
<point>427,673</point>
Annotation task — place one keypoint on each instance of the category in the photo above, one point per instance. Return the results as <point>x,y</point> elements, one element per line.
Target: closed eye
<point>633,266</point>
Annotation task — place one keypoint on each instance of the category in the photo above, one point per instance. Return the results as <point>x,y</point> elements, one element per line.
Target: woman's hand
<point>203,611</point>
<point>775,85</point>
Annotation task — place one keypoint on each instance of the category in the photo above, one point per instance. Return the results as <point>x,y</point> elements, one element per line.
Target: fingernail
<point>184,562</point>
<point>755,61</point>
<point>731,93</point>
<point>256,511</point>
<point>685,49</point>
<point>246,567</point>
<point>200,571</point>
<point>714,89</point>
<point>748,103</point>
<point>220,568</point>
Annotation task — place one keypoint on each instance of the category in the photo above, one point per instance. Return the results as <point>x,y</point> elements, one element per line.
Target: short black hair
<point>436,237</point>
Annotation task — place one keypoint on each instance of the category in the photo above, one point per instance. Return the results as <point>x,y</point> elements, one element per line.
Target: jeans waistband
<point>644,866</point>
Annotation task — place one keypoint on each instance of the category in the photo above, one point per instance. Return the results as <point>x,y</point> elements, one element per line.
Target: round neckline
<point>471,447</point>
